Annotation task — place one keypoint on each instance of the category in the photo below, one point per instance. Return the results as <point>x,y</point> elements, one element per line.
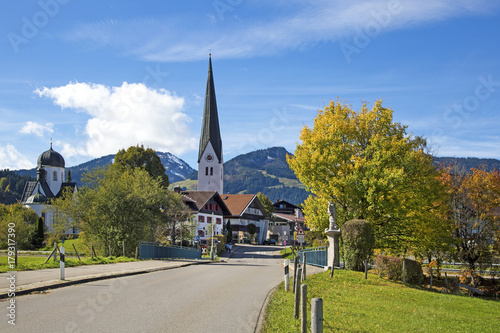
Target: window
<point>201,233</point>
<point>55,176</point>
<point>211,171</point>
<point>219,221</point>
<point>206,171</point>
<point>201,219</point>
<point>209,219</point>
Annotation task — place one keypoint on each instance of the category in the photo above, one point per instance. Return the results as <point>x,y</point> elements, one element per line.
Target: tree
<point>473,200</point>
<point>316,213</point>
<point>371,168</point>
<point>267,203</point>
<point>116,205</point>
<point>229,232</point>
<point>147,159</point>
<point>23,219</point>
<point>252,229</point>
<point>39,234</point>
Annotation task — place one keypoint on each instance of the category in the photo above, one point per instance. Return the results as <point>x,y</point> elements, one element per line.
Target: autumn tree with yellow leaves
<point>372,169</point>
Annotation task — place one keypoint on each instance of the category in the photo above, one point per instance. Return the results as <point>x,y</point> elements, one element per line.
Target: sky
<point>94,77</point>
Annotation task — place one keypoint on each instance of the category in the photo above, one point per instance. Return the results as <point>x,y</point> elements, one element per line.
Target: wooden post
<point>109,248</point>
<point>297,296</point>
<point>295,269</point>
<point>458,285</point>
<point>15,249</point>
<point>303,308</point>
<point>287,274</point>
<point>304,266</point>
<point>446,280</point>
<point>317,315</point>
<point>76,252</point>
<point>92,251</point>
<point>123,247</point>
<point>431,278</point>
<point>404,271</point>
<point>366,269</point>
<point>136,251</point>
<point>55,251</point>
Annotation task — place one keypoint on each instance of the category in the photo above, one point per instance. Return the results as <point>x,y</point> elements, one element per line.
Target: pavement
<point>27,282</point>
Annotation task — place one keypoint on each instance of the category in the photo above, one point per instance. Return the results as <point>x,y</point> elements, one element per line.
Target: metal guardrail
<point>316,256</point>
<point>149,250</point>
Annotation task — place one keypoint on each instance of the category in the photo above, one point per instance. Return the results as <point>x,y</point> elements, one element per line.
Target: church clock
<point>209,157</point>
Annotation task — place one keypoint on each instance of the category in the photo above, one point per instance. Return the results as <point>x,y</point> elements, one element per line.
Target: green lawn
<point>353,304</point>
<point>26,263</point>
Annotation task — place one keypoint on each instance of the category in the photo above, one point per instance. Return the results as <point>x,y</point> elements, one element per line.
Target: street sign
<point>300,232</point>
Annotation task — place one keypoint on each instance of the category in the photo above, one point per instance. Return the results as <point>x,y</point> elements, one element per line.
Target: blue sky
<point>98,76</point>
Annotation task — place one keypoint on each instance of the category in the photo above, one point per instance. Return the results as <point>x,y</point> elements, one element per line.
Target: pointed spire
<point>210,131</point>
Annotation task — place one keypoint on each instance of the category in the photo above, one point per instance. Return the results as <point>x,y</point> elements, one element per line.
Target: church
<point>49,184</point>
<point>209,201</point>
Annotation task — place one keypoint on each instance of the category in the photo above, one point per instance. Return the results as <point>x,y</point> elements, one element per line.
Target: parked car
<point>270,241</point>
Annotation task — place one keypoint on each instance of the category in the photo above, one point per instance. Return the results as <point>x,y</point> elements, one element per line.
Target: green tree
<point>252,229</point>
<point>39,234</point>
<point>371,168</point>
<point>358,242</point>
<point>267,203</point>
<point>116,205</point>
<point>23,219</point>
<point>147,159</point>
<point>316,213</point>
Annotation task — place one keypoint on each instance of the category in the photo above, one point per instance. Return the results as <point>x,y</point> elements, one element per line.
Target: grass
<point>26,263</point>
<point>353,304</point>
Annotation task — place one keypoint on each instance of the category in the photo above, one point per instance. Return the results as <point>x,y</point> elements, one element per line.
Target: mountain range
<point>264,170</point>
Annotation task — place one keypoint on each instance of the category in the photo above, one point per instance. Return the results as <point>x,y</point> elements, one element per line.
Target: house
<point>50,183</point>
<point>286,218</point>
<point>208,209</point>
<point>244,210</point>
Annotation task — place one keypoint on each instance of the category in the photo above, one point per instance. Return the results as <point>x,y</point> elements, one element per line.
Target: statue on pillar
<point>332,211</point>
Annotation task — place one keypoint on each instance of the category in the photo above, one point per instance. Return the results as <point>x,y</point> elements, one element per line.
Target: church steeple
<point>210,131</point>
<point>210,159</point>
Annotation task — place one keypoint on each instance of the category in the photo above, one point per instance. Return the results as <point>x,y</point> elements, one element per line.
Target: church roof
<point>51,158</point>
<point>210,131</point>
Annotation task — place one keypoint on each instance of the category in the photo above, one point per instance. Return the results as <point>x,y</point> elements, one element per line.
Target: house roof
<point>196,200</point>
<point>210,131</point>
<point>238,203</point>
<point>289,217</point>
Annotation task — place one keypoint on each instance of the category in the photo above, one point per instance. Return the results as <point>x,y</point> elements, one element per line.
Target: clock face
<point>209,157</point>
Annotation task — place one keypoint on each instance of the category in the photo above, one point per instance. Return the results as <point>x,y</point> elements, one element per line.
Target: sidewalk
<point>38,280</point>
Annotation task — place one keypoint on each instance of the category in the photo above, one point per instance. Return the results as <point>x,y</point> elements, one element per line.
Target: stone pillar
<point>333,236</point>
<point>333,249</point>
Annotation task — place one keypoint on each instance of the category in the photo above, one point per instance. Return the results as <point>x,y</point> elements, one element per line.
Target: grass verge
<point>27,263</point>
<point>353,304</point>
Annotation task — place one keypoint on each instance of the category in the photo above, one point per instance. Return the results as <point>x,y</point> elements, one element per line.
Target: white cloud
<point>11,159</point>
<point>124,116</point>
<point>299,24</point>
<point>36,129</point>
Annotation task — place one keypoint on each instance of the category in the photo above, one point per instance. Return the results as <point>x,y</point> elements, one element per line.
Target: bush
<point>392,268</point>
<point>358,241</point>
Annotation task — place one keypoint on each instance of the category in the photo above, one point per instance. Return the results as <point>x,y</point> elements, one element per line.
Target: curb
<point>85,279</point>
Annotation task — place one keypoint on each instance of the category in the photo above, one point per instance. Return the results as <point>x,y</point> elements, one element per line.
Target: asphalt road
<point>220,297</point>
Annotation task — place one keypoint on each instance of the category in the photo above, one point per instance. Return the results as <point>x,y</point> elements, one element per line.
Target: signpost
<point>300,236</point>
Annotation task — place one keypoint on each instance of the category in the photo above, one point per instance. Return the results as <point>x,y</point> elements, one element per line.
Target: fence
<point>316,256</point>
<point>155,251</point>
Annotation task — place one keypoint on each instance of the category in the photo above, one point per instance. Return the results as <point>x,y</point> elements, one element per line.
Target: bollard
<point>317,315</point>
<point>55,251</point>
<point>295,269</point>
<point>297,296</point>
<point>136,251</point>
<point>304,267</point>
<point>287,274</point>
<point>404,271</point>
<point>303,308</point>
<point>61,262</point>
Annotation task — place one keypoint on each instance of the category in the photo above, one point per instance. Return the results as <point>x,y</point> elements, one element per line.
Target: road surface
<point>220,297</point>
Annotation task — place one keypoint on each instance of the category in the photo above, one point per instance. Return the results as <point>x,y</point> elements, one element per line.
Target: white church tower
<point>210,162</point>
